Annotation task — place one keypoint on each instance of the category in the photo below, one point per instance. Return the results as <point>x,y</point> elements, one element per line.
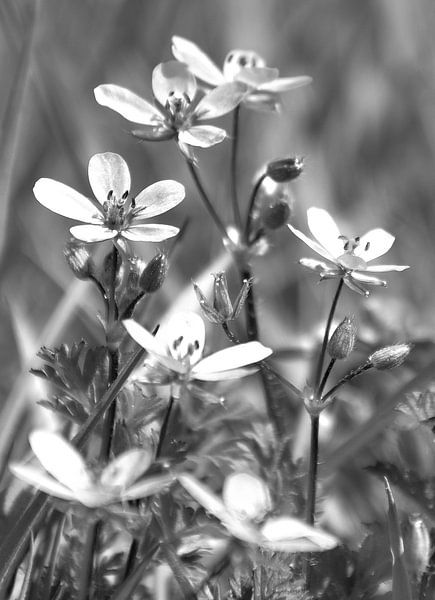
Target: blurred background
<point>366,127</point>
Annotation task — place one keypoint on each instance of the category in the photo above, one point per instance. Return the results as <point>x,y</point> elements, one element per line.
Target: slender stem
<point>164,427</point>
<point>345,379</point>
<point>53,556</point>
<point>230,335</point>
<point>251,205</point>
<point>326,334</point>
<point>312,470</point>
<point>89,552</point>
<point>207,203</point>
<point>234,149</point>
<point>131,558</point>
<point>325,377</point>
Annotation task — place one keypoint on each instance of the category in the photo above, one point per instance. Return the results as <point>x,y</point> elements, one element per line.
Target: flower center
<point>178,108</point>
<point>237,60</point>
<point>348,260</point>
<point>117,214</point>
<point>185,351</point>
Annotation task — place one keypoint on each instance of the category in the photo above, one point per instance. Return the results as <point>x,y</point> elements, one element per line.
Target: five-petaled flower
<point>242,510</point>
<point>65,474</point>
<point>349,256</point>
<point>180,107</point>
<point>178,347</point>
<point>115,213</point>
<point>246,66</point>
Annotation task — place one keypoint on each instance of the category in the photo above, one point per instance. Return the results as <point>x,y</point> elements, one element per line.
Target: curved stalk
<point>233,169</point>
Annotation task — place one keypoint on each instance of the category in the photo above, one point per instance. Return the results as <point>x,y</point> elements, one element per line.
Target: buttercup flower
<point>114,213</point>
<point>246,66</point>
<point>178,347</point>
<point>179,108</point>
<point>244,504</point>
<point>66,476</point>
<point>349,256</point>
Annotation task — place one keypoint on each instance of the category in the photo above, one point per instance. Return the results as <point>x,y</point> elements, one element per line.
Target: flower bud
<point>343,339</point>
<point>154,274</point>
<point>285,169</point>
<point>78,259</point>
<point>275,212</point>
<point>390,356</point>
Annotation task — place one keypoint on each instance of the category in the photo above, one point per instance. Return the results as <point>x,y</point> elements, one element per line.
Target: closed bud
<point>285,169</point>
<point>154,274</point>
<point>275,213</point>
<point>78,259</point>
<point>343,339</point>
<point>389,357</point>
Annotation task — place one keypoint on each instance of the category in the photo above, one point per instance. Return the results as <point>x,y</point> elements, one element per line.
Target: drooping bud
<point>276,211</point>
<point>154,274</point>
<point>78,259</point>
<point>343,339</point>
<point>285,169</point>
<point>390,356</point>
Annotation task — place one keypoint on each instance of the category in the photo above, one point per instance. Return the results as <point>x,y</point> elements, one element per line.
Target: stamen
<point>110,195</point>
<point>367,246</point>
<point>125,195</point>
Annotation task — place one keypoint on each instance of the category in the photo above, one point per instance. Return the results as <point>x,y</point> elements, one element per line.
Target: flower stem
<point>207,203</point>
<point>51,567</point>
<point>251,205</point>
<point>326,334</point>
<point>164,427</point>
<point>325,377</point>
<point>89,553</point>
<point>234,149</point>
<point>345,379</point>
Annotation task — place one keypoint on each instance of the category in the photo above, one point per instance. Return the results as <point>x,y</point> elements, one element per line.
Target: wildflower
<point>65,474</point>
<point>178,347</point>
<point>114,214</point>
<point>222,310</point>
<point>349,257</point>
<point>179,108</point>
<point>246,66</point>
<point>244,504</point>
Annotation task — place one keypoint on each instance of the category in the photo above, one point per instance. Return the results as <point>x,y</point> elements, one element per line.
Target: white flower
<point>178,109</point>
<point>113,213</point>
<point>244,504</point>
<point>179,344</point>
<point>349,256</point>
<point>66,476</point>
<point>245,66</point>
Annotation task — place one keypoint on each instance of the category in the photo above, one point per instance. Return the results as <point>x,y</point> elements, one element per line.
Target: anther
<point>110,195</point>
<point>124,195</point>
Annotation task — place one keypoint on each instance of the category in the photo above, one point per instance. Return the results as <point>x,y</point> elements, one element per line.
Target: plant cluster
<point>156,484</point>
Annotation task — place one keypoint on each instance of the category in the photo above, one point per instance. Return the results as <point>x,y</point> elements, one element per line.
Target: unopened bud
<point>275,213</point>
<point>154,274</point>
<point>78,259</point>
<point>390,356</point>
<point>285,169</point>
<point>343,339</point>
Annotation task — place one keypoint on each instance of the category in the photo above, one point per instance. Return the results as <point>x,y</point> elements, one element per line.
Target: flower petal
<point>373,244</point>
<point>184,335</point>
<point>197,61</point>
<point>285,84</point>
<point>386,268</point>
<point>257,76</point>
<point>40,480</point>
<point>65,201</point>
<point>362,278</point>
<point>226,375</point>
<point>286,534</point>
<point>127,467</point>
<point>148,487</point>
<point>175,78</point>
<point>221,100</point>
<point>108,172</point>
<point>246,496</point>
<point>231,358</point>
<point>203,136</point>
<point>355,287</point>
<point>311,243</point>
<point>92,233</point>
<point>316,265</point>
<point>149,233</point>
<point>325,230</point>
<point>152,345</point>
<point>131,106</point>
<point>158,198</point>
<point>60,459</point>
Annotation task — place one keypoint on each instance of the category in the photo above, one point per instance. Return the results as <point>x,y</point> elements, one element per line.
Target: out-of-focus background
<point>366,127</point>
